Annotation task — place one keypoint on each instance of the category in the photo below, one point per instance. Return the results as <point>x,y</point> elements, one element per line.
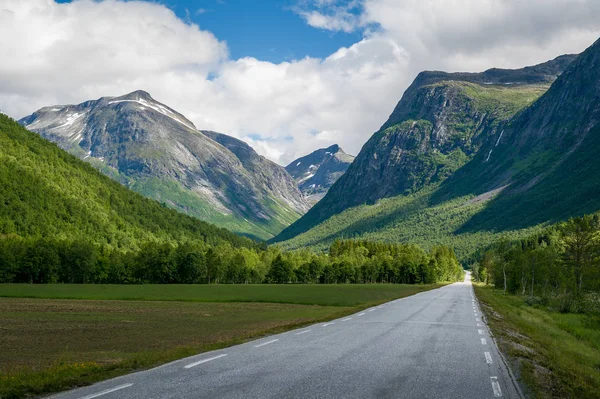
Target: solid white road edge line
<point>95,395</point>
<point>496,387</point>
<point>266,343</point>
<point>303,332</point>
<point>488,357</point>
<point>189,366</point>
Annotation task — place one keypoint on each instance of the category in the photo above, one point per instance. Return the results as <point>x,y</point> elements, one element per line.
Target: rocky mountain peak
<point>159,152</point>
<point>316,172</point>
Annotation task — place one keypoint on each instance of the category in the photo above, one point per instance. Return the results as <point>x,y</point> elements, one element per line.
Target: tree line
<point>559,266</point>
<point>43,261</point>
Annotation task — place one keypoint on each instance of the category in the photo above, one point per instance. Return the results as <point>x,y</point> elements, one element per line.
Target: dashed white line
<point>370,310</point>
<point>483,341</point>
<point>266,343</point>
<point>95,395</point>
<point>361,314</point>
<point>479,325</point>
<point>488,357</point>
<point>348,319</point>
<point>303,332</point>
<point>328,324</point>
<point>496,387</point>
<point>480,332</point>
<point>189,366</point>
<point>477,319</point>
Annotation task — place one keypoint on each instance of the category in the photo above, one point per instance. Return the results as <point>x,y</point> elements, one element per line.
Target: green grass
<point>309,294</point>
<point>50,345</point>
<point>557,355</point>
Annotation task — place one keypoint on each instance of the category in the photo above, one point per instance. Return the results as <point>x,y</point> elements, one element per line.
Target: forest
<point>43,261</point>
<point>558,267</point>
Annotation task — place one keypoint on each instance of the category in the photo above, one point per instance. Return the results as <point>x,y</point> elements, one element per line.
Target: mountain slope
<point>545,164</point>
<point>158,152</point>
<point>316,172</point>
<point>439,125</point>
<point>46,192</point>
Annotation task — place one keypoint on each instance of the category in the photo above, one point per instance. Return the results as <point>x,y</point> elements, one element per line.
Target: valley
<point>145,254</point>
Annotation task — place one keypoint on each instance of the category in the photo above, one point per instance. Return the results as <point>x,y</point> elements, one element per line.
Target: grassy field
<point>557,355</point>
<point>311,294</point>
<point>49,344</point>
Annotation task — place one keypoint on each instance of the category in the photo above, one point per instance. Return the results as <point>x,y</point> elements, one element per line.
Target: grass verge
<point>51,345</point>
<point>555,355</point>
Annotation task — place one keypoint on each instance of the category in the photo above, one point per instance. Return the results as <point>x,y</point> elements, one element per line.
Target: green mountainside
<point>534,169</point>
<point>48,193</point>
<point>441,123</point>
<point>159,153</point>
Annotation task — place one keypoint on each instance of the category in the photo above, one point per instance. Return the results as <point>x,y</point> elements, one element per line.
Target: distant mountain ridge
<point>316,172</point>
<point>158,152</point>
<point>439,125</point>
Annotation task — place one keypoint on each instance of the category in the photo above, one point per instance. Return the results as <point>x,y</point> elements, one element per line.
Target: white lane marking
<point>266,343</point>
<point>370,310</point>
<point>361,314</point>
<point>189,366</point>
<point>477,319</point>
<point>349,318</point>
<point>496,387</point>
<point>480,332</point>
<point>303,332</point>
<point>483,341</point>
<point>488,357</point>
<point>479,325</point>
<point>327,324</point>
<point>95,395</point>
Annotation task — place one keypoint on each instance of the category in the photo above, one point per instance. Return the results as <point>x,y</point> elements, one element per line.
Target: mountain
<point>47,193</point>
<point>316,172</point>
<point>544,167</point>
<point>157,152</point>
<point>441,123</point>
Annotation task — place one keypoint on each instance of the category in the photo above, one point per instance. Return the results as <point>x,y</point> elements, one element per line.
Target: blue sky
<point>268,30</point>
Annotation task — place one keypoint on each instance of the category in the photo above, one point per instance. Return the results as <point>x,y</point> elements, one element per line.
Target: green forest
<point>41,261</point>
<point>557,268</point>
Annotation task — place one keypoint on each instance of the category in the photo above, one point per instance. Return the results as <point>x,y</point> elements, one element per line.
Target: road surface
<point>430,345</point>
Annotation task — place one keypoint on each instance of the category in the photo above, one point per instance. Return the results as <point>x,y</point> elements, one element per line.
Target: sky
<point>287,76</point>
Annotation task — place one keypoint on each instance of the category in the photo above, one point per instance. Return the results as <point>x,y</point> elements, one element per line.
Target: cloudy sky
<point>288,76</point>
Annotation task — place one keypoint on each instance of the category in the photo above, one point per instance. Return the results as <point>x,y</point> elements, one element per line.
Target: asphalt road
<point>430,345</point>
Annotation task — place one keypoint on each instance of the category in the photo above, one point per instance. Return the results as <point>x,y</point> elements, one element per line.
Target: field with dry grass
<point>52,344</point>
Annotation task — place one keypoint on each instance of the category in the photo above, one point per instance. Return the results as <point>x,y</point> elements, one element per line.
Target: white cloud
<point>65,53</point>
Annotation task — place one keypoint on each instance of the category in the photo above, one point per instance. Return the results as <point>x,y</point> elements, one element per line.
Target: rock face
<point>546,160</point>
<point>316,172</point>
<point>439,125</point>
<point>158,152</point>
